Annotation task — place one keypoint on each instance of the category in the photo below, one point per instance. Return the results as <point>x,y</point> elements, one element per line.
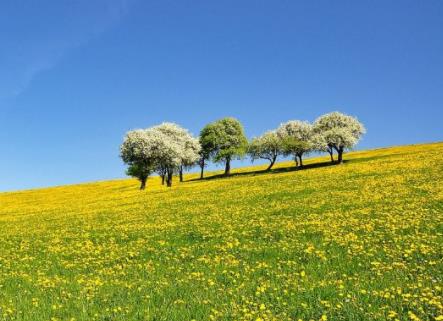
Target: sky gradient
<point>76,75</point>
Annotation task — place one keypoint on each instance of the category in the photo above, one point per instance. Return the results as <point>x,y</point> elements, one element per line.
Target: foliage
<point>319,143</point>
<point>281,246</point>
<point>296,138</point>
<point>293,146</point>
<point>227,138</point>
<point>189,147</point>
<point>135,148</point>
<point>172,148</point>
<point>338,131</point>
<point>224,140</point>
<point>137,152</point>
<point>267,146</point>
<point>140,172</point>
<point>208,141</point>
<point>165,148</point>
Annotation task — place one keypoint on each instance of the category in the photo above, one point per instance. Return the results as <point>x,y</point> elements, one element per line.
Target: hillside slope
<point>359,241</point>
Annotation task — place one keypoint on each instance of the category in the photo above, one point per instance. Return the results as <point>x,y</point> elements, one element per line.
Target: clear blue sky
<point>76,75</point>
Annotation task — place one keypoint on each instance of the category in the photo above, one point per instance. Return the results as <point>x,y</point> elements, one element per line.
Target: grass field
<point>359,241</point>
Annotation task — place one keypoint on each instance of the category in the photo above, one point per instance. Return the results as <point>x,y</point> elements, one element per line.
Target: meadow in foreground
<point>358,241</point>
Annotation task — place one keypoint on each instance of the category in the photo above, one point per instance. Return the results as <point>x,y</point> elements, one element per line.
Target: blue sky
<point>76,75</point>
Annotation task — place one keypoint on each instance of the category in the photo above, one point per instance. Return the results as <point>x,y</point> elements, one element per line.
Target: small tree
<point>225,139</point>
<point>339,131</point>
<point>168,154</point>
<point>140,172</point>
<point>136,151</point>
<point>207,141</point>
<point>319,144</point>
<point>267,146</point>
<point>181,145</point>
<point>296,139</point>
<point>191,153</point>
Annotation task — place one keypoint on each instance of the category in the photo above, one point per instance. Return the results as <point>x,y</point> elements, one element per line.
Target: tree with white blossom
<point>338,131</point>
<point>320,144</point>
<point>165,148</point>
<point>296,139</point>
<point>267,146</point>
<point>178,141</point>
<point>137,151</point>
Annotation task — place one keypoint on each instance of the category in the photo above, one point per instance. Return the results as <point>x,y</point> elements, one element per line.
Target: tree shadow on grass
<point>264,171</point>
<point>294,168</point>
<point>371,158</point>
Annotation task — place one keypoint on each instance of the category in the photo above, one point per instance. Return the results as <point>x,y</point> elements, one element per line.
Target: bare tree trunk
<point>163,178</point>
<point>228,166</point>
<point>301,159</point>
<point>340,155</point>
<point>143,183</point>
<point>296,161</point>
<point>202,168</point>
<point>181,173</point>
<point>331,153</point>
<point>169,178</point>
<point>272,163</point>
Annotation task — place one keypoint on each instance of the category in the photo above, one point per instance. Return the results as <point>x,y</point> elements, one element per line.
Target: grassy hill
<point>359,241</point>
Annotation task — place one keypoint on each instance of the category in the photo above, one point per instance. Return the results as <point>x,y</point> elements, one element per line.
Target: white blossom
<point>187,147</point>
<point>267,146</point>
<point>338,131</point>
<point>296,138</point>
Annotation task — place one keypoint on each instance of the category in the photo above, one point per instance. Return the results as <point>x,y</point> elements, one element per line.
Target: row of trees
<point>169,149</point>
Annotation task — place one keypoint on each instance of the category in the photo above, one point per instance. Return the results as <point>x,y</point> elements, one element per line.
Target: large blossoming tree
<point>296,139</point>
<point>165,148</point>
<point>189,147</point>
<point>139,152</point>
<point>337,131</point>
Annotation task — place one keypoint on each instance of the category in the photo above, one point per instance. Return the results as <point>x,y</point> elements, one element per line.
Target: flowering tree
<point>296,139</point>
<point>181,146</point>
<point>339,132</point>
<point>191,154</point>
<point>224,140</point>
<point>137,152</point>
<point>165,148</point>
<point>267,146</point>
<point>320,144</point>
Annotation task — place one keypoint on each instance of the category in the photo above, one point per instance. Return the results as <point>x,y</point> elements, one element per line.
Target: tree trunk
<point>181,173</point>
<point>228,167</point>
<point>169,179</point>
<point>296,161</point>
<point>143,183</point>
<point>272,163</point>
<point>301,159</point>
<point>202,168</point>
<point>163,179</point>
<point>331,153</point>
<point>340,155</point>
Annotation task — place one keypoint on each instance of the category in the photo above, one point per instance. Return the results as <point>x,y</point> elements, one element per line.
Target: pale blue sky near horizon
<point>75,76</point>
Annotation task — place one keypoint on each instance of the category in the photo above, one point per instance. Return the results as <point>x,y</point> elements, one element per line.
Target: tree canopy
<point>339,131</point>
<point>296,138</point>
<point>164,148</point>
<point>169,149</point>
<point>267,146</point>
<point>224,140</point>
